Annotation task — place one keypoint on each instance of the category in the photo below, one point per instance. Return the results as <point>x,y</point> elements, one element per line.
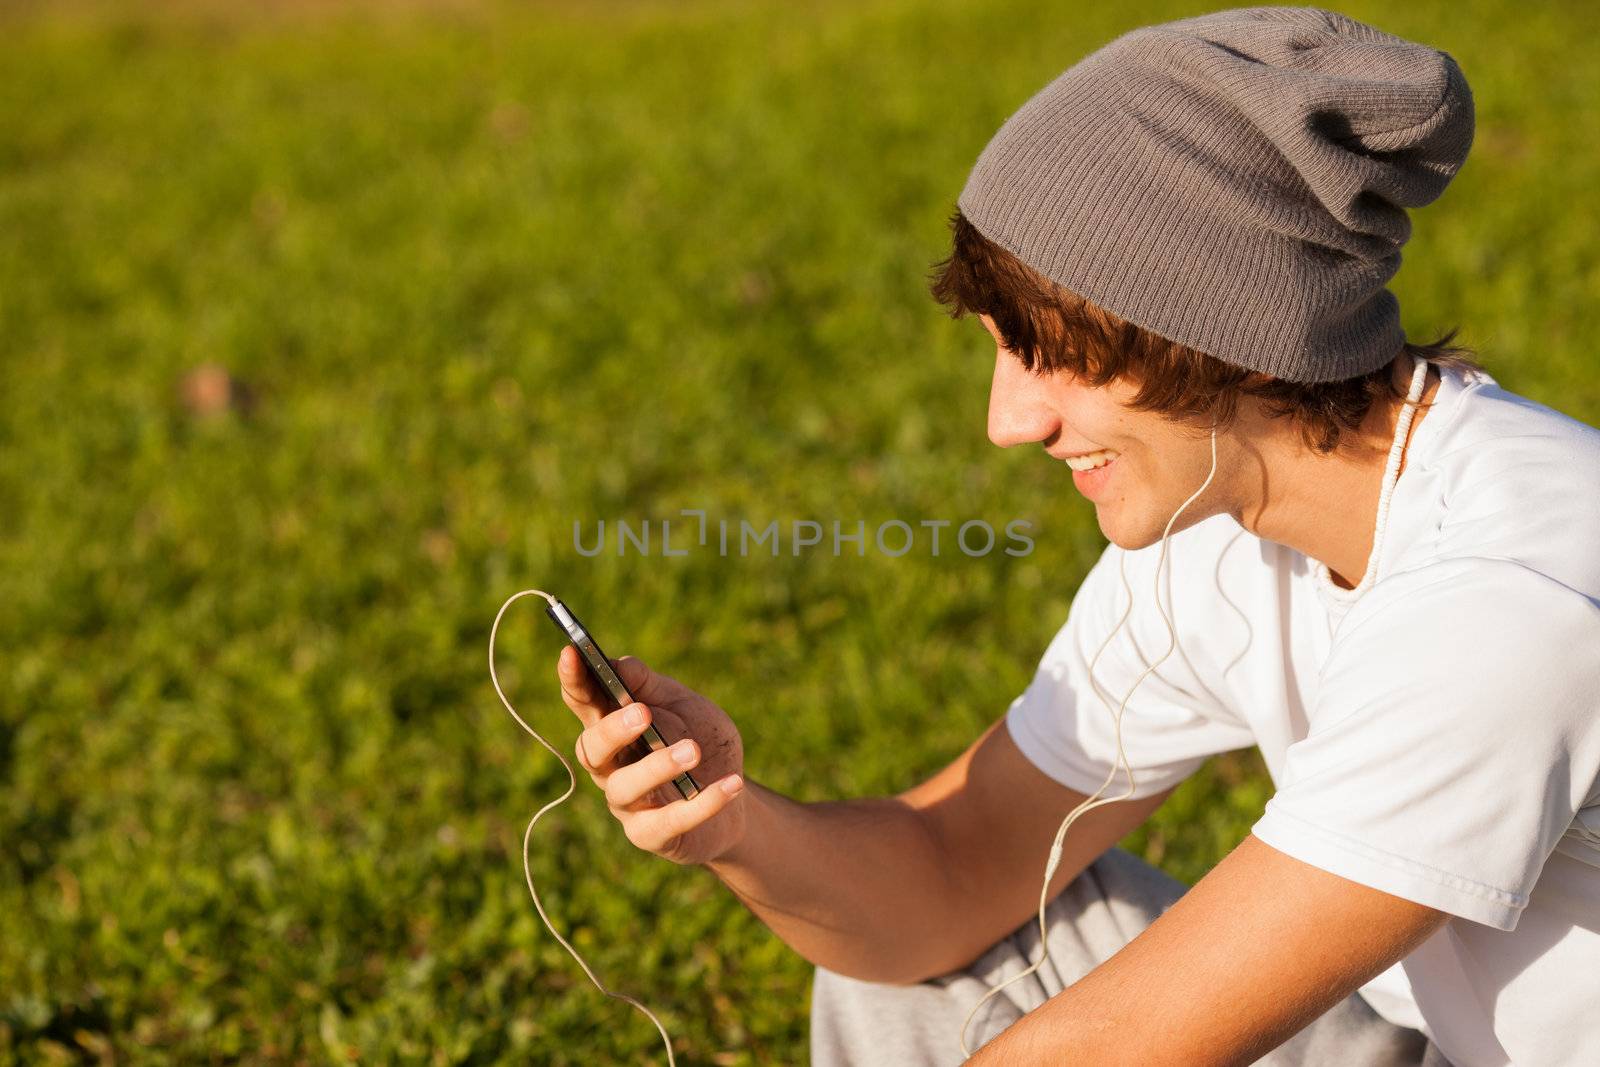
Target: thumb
<point>634,674</point>
<point>645,684</point>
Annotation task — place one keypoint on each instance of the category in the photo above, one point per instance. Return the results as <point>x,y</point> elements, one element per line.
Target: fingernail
<point>633,716</point>
<point>732,784</point>
<point>683,752</point>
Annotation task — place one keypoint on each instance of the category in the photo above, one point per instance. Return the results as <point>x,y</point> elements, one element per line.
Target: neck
<point>1324,506</point>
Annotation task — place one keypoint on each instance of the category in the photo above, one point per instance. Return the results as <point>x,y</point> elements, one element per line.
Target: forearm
<point>1260,948</point>
<point>860,887</point>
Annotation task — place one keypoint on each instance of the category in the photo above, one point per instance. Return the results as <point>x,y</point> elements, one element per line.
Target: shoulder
<point>1494,432</point>
<point>1518,480</point>
<point>1475,638</point>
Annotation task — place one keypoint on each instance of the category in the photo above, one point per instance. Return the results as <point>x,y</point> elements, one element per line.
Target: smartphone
<point>601,670</point>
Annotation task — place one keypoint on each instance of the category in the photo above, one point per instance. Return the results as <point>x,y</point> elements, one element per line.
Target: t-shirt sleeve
<point>1065,725</point>
<point>1454,738</point>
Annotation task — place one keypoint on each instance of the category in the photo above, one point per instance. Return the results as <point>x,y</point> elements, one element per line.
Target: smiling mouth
<point>1090,460</point>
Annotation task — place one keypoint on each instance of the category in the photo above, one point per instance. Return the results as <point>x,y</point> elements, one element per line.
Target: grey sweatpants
<point>863,1024</point>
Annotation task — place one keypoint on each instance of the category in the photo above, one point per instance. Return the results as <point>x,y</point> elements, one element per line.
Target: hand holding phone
<point>600,669</point>
<point>664,808</point>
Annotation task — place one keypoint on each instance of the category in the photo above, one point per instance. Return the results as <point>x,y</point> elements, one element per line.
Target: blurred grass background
<point>322,325</point>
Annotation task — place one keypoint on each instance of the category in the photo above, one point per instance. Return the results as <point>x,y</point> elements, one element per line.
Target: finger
<point>645,684</point>
<point>602,740</point>
<point>578,690</point>
<point>632,783</point>
<point>658,829</point>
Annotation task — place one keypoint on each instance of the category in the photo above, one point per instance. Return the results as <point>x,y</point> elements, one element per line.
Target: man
<point>1387,580</point>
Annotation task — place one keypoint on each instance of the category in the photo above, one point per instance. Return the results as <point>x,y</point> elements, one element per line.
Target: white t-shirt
<point>1437,737</point>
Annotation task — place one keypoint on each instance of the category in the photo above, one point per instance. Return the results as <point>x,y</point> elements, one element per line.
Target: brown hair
<point>1050,328</point>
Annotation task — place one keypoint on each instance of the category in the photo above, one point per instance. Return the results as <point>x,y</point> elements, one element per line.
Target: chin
<point>1135,532</point>
<point>1125,535</point>
<point>1131,528</point>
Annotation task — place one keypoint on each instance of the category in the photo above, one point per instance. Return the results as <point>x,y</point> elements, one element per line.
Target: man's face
<point>1137,467</point>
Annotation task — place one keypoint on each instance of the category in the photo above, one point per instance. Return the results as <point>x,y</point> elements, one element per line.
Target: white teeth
<point>1092,460</point>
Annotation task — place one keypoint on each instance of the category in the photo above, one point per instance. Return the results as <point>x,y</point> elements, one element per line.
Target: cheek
<point>1177,469</point>
<point>1158,469</point>
<point>1091,419</point>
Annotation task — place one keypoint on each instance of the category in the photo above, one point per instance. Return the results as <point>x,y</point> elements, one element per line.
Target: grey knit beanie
<point>1235,182</point>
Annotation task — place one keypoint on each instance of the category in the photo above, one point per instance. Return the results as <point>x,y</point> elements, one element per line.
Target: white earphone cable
<point>572,785</point>
<point>1097,799</point>
<point>1391,476</point>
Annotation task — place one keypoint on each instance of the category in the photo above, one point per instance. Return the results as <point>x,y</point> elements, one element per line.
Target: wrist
<point>755,826</point>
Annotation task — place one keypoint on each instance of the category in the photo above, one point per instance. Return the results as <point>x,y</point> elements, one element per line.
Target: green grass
<point>487,271</point>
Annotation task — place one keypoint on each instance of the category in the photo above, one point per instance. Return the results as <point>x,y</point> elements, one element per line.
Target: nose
<point>1018,413</point>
